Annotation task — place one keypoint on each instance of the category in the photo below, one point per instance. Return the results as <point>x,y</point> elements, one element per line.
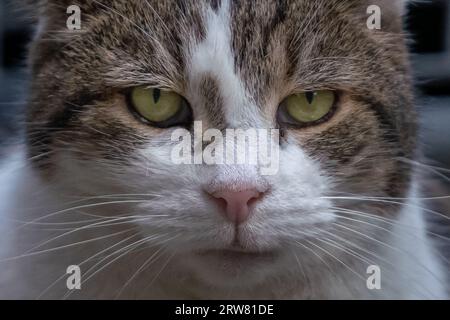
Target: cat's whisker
<point>365,223</point>
<point>82,207</point>
<point>108,223</point>
<point>384,244</point>
<point>345,226</point>
<point>363,196</point>
<point>316,255</point>
<point>144,265</point>
<point>391,270</point>
<point>29,254</point>
<point>123,196</point>
<point>126,250</point>
<point>442,215</point>
<point>414,259</point>
<point>52,223</point>
<point>97,218</point>
<point>133,247</point>
<point>346,250</point>
<point>321,231</point>
<point>391,222</point>
<point>389,231</point>
<point>353,244</point>
<point>424,165</point>
<point>63,276</point>
<point>132,220</point>
<point>301,267</point>
<point>337,259</point>
<point>160,271</point>
<point>414,235</point>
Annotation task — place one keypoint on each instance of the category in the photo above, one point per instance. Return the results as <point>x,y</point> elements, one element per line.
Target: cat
<point>94,187</point>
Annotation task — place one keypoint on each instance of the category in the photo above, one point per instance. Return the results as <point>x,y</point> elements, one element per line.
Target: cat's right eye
<point>159,108</point>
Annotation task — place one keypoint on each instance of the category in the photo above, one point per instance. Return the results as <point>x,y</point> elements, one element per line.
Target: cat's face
<point>234,63</point>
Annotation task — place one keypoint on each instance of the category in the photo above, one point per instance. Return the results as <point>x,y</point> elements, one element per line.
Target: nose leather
<point>237,208</point>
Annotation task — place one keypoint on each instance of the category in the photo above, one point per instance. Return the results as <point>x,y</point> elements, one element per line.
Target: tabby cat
<point>94,188</point>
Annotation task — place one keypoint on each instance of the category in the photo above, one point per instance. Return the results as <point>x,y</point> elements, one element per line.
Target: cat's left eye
<point>160,108</point>
<point>307,108</point>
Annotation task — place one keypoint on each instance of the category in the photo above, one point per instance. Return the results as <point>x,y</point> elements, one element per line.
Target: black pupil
<point>156,95</point>
<point>309,96</point>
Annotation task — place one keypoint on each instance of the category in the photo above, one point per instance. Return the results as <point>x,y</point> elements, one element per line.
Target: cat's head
<point>107,99</point>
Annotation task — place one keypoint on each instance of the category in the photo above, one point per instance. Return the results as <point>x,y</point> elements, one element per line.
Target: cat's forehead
<point>268,42</point>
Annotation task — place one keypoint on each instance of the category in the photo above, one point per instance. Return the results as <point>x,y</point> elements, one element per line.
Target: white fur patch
<point>214,57</point>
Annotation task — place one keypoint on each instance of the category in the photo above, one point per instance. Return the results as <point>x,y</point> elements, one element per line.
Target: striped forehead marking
<point>214,58</point>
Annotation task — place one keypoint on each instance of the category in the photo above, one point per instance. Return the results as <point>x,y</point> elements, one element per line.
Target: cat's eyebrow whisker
<point>157,42</point>
<point>322,59</point>
<point>163,24</point>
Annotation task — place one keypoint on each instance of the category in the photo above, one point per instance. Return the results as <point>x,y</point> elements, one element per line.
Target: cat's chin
<point>233,267</point>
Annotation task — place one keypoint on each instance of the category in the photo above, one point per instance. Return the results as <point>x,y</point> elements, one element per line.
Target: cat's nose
<point>237,203</point>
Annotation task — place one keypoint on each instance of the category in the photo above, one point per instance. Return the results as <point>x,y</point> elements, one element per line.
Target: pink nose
<point>237,203</point>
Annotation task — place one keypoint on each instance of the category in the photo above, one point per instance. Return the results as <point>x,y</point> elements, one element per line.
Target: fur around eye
<point>159,108</point>
<point>307,108</point>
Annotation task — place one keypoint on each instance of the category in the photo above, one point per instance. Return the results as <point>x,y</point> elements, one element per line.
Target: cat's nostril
<point>236,204</point>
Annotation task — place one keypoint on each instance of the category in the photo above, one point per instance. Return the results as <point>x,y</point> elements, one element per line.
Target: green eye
<point>311,106</point>
<point>160,108</point>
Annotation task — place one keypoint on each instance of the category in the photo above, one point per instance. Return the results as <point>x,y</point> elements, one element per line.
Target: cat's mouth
<point>241,255</point>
